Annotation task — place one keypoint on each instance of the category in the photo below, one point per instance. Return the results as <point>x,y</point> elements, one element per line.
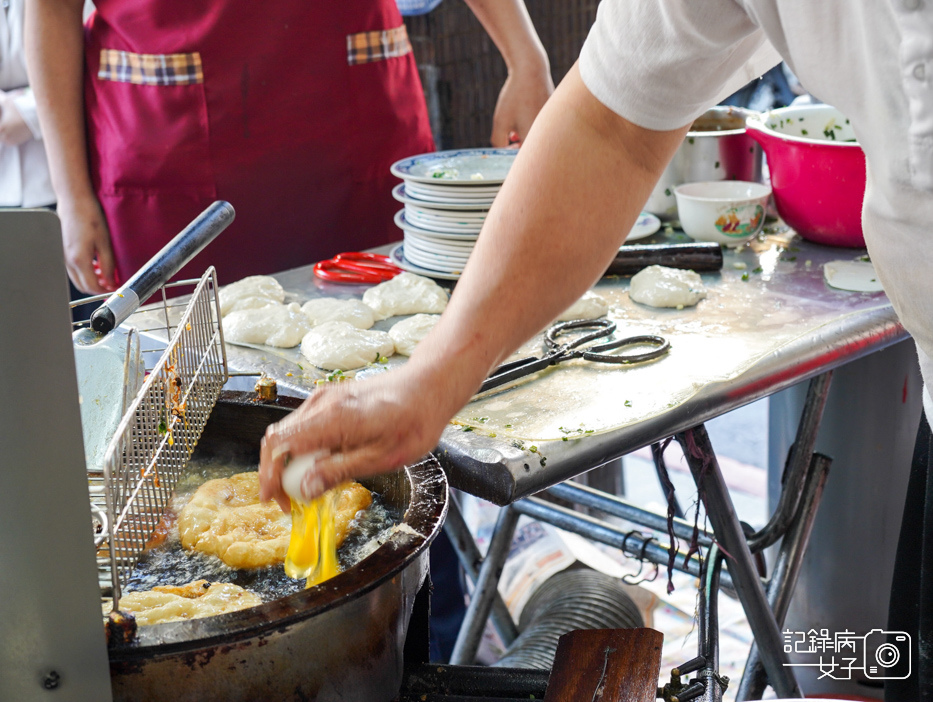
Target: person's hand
<point>88,253</point>
<point>362,428</point>
<point>523,94</point>
<point>13,128</point>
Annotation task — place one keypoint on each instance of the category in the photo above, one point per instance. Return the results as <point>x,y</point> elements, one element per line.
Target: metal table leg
<point>474,621</point>
<point>728,531</point>
<point>797,466</point>
<point>469,556</point>
<point>785,571</point>
<point>707,684</point>
<point>709,626</point>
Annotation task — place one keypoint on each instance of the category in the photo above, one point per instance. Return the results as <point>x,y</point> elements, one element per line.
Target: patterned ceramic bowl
<point>728,212</point>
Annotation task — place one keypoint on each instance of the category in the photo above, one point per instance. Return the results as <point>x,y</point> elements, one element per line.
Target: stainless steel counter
<point>768,322</point>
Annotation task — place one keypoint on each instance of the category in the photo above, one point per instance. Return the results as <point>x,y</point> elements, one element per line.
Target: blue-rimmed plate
<point>457,167</point>
<point>400,193</point>
<point>646,225</point>
<point>398,258</point>
<point>401,221</point>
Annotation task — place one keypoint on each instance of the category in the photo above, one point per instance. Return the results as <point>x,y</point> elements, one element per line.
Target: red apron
<point>284,125</point>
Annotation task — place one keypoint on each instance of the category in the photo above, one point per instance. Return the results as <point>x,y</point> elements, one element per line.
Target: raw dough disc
<point>590,306</point>
<point>341,346</point>
<point>856,276</point>
<point>275,325</point>
<point>250,293</point>
<point>659,286</point>
<point>332,309</point>
<point>406,293</point>
<point>409,332</point>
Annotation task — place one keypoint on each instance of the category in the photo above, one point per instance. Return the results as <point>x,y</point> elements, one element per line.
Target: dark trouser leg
<point>447,599</point>
<point>81,312</point>
<point>911,608</point>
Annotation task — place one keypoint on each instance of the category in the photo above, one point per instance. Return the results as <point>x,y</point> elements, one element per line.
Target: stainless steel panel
<point>53,639</point>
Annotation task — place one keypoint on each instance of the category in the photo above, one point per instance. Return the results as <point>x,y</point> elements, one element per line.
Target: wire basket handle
<point>161,267</point>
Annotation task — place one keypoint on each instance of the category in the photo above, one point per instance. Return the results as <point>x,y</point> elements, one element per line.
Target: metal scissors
<point>579,347</point>
<point>356,267</point>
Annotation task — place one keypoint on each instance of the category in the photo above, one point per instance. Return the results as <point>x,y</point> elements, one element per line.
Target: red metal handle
<point>356,267</point>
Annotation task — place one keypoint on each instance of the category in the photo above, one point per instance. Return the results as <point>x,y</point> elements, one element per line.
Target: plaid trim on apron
<point>366,47</point>
<point>150,69</point>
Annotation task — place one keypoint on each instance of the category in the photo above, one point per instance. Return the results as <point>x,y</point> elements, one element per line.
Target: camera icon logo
<point>887,655</point>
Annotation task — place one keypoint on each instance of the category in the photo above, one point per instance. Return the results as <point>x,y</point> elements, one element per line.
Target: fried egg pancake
<point>192,601</point>
<point>225,518</point>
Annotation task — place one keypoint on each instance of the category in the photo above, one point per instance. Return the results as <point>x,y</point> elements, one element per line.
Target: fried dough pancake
<point>225,518</point>
<point>352,498</point>
<point>192,601</point>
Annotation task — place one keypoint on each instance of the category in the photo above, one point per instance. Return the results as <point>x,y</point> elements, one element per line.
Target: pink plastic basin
<point>817,171</point>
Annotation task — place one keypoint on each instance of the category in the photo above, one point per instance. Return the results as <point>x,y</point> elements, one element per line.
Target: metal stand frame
<point>765,603</point>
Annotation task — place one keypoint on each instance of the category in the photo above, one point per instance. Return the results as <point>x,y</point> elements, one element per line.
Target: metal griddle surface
<point>769,322</point>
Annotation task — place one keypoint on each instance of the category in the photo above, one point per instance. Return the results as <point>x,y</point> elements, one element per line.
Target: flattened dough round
<point>590,306</point>
<point>332,309</point>
<point>408,333</point>
<point>250,293</point>
<point>275,325</point>
<point>855,276</point>
<point>659,286</point>
<point>406,293</point>
<point>341,346</point>
<point>192,601</point>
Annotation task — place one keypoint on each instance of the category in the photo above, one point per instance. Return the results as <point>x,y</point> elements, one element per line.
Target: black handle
<point>599,353</point>
<point>514,370</point>
<point>161,267</point>
<point>697,256</point>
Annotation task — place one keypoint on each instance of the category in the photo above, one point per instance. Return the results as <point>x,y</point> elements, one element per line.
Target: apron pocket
<point>148,123</point>
<point>366,47</point>
<point>150,69</point>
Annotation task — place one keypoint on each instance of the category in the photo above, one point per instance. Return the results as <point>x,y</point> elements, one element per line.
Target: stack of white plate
<point>446,196</point>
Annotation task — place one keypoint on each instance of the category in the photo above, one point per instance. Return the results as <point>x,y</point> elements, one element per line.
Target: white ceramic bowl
<point>728,212</point>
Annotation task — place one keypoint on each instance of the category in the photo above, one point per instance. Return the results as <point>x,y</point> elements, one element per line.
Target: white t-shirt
<point>24,171</point>
<point>661,63</point>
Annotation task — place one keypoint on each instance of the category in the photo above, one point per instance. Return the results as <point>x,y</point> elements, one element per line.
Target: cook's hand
<point>88,253</point>
<point>362,427</point>
<point>13,128</point>
<point>523,94</point>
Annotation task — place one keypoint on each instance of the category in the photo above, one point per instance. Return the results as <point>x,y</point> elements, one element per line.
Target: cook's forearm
<point>577,186</point>
<point>54,39</point>
<point>511,30</point>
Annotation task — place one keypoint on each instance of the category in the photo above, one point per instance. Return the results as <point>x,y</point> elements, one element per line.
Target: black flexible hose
<point>578,598</point>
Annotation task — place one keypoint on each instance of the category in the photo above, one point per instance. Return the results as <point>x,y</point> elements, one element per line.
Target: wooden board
<point>606,665</point>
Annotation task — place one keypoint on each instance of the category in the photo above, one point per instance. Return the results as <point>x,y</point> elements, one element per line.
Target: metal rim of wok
<point>424,515</point>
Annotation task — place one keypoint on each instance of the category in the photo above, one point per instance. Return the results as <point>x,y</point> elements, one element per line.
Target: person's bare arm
<point>54,39</point>
<point>575,189</point>
<point>529,82</point>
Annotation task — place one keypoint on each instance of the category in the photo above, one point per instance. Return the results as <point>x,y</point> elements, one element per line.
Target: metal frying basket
<point>161,428</point>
